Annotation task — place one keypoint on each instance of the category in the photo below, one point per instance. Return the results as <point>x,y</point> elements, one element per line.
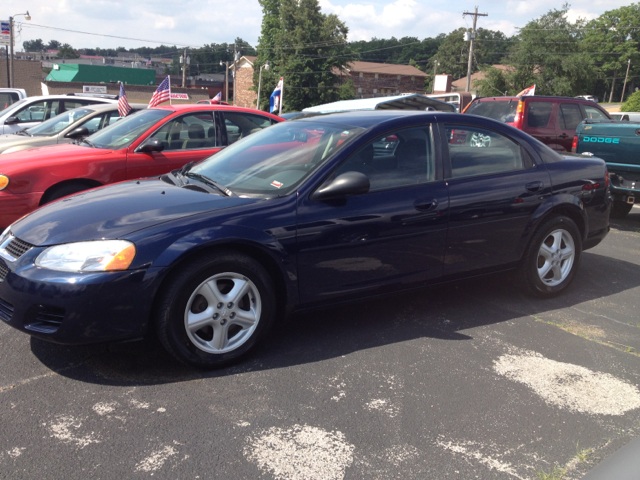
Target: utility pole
<point>184,68</point>
<point>435,72</point>
<point>235,74</point>
<point>472,37</point>
<point>10,79</point>
<point>625,81</point>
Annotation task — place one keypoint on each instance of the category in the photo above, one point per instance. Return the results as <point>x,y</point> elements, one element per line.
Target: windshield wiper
<point>212,183</point>
<point>87,142</point>
<point>186,168</point>
<point>23,132</point>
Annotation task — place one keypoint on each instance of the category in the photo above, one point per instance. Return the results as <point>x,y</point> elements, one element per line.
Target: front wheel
<point>552,258</point>
<point>216,309</point>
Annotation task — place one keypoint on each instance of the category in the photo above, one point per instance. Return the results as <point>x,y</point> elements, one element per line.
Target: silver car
<point>65,128</point>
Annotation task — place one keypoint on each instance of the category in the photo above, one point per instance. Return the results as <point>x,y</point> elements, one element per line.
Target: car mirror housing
<point>345,185</point>
<point>11,121</point>
<point>151,145</point>
<point>78,132</point>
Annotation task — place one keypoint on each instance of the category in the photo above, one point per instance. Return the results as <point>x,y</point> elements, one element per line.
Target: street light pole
<point>266,65</point>
<point>226,80</point>
<point>435,70</point>
<point>11,37</point>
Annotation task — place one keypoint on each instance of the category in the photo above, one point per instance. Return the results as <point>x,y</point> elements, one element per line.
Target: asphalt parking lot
<point>473,380</point>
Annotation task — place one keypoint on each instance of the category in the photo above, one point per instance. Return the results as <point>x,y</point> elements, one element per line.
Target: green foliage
<point>66,51</point>
<point>632,104</point>
<point>33,45</point>
<point>306,47</point>
<point>496,83</point>
<point>53,45</point>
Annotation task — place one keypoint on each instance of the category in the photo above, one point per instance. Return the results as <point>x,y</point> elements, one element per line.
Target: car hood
<point>115,211</point>
<point>11,141</point>
<point>54,153</point>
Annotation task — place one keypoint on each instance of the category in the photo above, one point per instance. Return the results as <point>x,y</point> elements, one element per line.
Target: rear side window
<point>569,115</point>
<point>476,151</point>
<point>539,114</point>
<point>501,110</point>
<point>8,98</point>
<point>593,113</point>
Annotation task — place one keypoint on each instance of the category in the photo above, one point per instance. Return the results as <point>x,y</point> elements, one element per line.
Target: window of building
<point>375,90</point>
<point>399,78</point>
<point>361,75</point>
<point>376,77</point>
<point>413,79</point>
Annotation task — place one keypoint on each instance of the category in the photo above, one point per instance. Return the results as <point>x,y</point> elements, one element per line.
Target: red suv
<point>148,143</point>
<point>552,120</point>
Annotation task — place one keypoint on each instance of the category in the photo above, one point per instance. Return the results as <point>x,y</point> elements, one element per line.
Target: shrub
<point>632,104</point>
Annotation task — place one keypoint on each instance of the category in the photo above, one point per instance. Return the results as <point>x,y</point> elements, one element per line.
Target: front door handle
<point>534,187</point>
<point>424,205</point>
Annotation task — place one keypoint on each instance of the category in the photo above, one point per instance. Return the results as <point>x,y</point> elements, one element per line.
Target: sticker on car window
<point>276,184</point>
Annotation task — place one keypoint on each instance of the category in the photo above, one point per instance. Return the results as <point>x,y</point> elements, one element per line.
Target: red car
<point>145,144</point>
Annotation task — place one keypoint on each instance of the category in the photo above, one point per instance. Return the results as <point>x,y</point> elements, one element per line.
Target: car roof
<point>70,97</point>
<point>546,97</point>
<point>191,107</point>
<point>368,118</point>
<point>99,107</point>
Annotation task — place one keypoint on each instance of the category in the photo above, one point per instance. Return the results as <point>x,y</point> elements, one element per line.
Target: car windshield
<point>7,112</point>
<point>501,110</point>
<point>57,124</point>
<point>274,161</point>
<point>122,133</point>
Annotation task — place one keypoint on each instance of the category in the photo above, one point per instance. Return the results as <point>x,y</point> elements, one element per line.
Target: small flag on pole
<point>123,104</point>
<point>148,62</point>
<point>217,98</point>
<point>162,93</point>
<point>275,101</point>
<point>527,92</point>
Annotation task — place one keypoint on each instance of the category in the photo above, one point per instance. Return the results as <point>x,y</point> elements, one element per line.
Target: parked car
<point>31,111</point>
<point>299,215</point>
<point>211,102</point>
<point>9,96</point>
<point>618,144</point>
<point>626,116</point>
<point>591,98</point>
<point>552,120</point>
<point>150,142</point>
<point>68,127</point>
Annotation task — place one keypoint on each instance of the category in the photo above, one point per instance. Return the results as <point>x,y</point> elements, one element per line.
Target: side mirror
<point>11,121</point>
<point>345,185</point>
<point>151,145</point>
<point>78,132</point>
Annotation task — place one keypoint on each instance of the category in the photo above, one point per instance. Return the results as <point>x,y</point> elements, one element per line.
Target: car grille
<point>4,271</point>
<point>16,248</point>
<point>6,310</point>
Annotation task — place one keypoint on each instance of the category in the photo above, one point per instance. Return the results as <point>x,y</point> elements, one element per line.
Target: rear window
<point>539,114</point>
<point>501,110</point>
<point>8,98</point>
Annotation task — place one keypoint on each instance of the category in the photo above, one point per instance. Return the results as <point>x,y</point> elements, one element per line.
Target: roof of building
<point>385,68</point>
<point>461,83</point>
<point>73,72</point>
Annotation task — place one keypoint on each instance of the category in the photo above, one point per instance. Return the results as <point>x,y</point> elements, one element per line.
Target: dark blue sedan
<point>299,215</point>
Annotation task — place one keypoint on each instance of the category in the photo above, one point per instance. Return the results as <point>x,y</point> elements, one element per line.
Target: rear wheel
<point>620,209</point>
<point>552,258</point>
<point>215,310</point>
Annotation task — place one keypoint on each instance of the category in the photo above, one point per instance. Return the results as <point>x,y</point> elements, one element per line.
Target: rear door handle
<point>425,205</point>
<point>563,136</point>
<point>534,187</point>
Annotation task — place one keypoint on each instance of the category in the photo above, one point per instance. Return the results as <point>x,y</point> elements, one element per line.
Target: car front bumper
<point>75,308</point>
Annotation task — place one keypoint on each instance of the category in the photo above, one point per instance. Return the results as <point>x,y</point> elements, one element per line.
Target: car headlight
<point>97,256</point>
<point>4,181</point>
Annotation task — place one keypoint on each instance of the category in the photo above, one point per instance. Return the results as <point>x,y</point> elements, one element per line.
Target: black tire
<point>193,347</point>
<point>529,275</point>
<point>620,209</point>
<point>63,191</point>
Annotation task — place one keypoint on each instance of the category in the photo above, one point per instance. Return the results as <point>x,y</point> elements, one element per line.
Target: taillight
<point>519,118</point>
<point>574,145</point>
<point>606,177</point>
<point>590,186</point>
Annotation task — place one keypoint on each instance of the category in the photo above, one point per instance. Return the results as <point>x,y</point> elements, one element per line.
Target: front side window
<point>395,160</point>
<point>477,151</point>
<point>38,111</point>
<point>121,134</point>
<point>276,160</point>
<point>188,132</point>
<point>570,116</point>
<point>58,123</point>
<point>240,125</point>
<point>539,114</point>
<point>593,113</point>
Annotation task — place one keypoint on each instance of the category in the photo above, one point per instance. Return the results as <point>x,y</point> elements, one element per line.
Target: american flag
<point>148,61</point>
<point>218,97</point>
<point>123,104</point>
<point>162,93</point>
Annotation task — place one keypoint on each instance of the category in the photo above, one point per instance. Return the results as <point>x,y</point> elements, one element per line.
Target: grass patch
<point>556,474</point>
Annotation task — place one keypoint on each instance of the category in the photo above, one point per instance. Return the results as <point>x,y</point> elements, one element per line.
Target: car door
<point>539,121</point>
<point>569,117</point>
<point>391,237</point>
<point>186,138</point>
<point>494,188</point>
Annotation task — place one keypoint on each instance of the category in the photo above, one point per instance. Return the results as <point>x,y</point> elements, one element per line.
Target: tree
<point>496,83</point>
<point>306,47</point>
<point>33,45</point>
<point>53,45</point>
<point>66,51</point>
<point>612,40</point>
<point>632,104</point>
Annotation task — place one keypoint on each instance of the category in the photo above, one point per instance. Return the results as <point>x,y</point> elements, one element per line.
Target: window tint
<point>396,160</point>
<point>539,114</point>
<point>240,125</point>
<point>188,132</point>
<point>570,116</point>
<point>122,133</point>
<point>39,111</point>
<point>501,110</point>
<point>593,113</point>
<point>476,151</point>
<point>58,123</point>
<point>7,98</point>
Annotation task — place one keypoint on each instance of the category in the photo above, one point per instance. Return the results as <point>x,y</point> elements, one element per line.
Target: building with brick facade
<point>372,80</point>
<point>244,81</point>
<point>26,74</point>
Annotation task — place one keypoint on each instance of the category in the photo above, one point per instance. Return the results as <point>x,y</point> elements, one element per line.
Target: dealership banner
<point>179,96</point>
<point>94,89</point>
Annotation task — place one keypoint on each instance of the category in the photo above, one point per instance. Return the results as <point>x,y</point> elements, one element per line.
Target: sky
<point>197,22</point>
